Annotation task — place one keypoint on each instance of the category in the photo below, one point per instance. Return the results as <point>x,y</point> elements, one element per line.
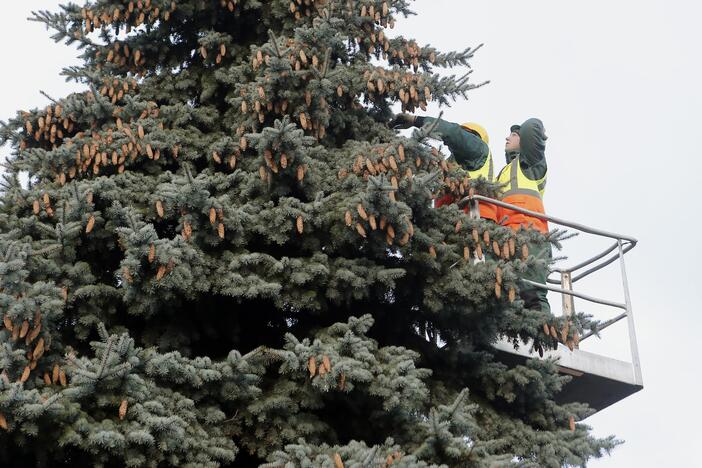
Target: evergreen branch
<point>188,174</point>
<point>118,369</point>
<point>64,213</point>
<point>464,79</point>
<point>48,97</point>
<point>105,356</point>
<point>71,358</point>
<point>457,403</point>
<point>277,354</point>
<point>327,58</point>
<point>254,352</point>
<point>435,124</point>
<point>52,399</point>
<point>274,40</point>
<point>479,85</point>
<point>102,331</point>
<point>368,461</point>
<point>101,100</point>
<point>123,344</point>
<point>427,132</point>
<point>232,419</point>
<point>60,23</point>
<point>90,375</point>
<point>45,250</point>
<point>9,180</point>
<point>133,223</point>
<point>479,46</point>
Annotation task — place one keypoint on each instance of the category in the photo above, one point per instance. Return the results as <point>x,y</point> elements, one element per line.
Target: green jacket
<point>466,148</point>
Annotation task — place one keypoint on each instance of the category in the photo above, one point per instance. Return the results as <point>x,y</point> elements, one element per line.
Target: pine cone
<point>24,329</point>
<point>90,225</point>
<point>25,375</point>
<point>123,409</point>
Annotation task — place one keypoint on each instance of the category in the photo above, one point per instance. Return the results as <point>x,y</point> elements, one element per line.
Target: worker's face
<point>512,142</point>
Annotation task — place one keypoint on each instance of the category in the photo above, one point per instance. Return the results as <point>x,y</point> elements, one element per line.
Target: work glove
<point>402,121</point>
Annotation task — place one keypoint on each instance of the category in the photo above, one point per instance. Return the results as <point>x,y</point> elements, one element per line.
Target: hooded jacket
<point>531,170</point>
<point>532,143</point>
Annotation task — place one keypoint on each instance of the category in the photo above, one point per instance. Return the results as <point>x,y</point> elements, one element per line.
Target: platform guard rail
<point>571,275</point>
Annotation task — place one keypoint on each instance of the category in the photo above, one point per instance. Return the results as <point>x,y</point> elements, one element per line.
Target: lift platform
<point>597,380</point>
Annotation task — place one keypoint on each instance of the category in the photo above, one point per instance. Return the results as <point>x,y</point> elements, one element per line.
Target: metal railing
<point>568,277</point>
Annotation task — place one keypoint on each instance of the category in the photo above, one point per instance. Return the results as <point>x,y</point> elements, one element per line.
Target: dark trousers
<point>533,297</point>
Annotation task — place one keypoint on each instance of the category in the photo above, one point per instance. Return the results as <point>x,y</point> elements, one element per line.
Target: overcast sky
<point>618,87</point>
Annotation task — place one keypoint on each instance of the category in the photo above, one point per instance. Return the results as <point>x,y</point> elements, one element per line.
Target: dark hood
<point>510,155</point>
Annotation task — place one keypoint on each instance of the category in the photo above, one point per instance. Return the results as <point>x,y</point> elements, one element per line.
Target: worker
<point>524,181</point>
<point>468,143</point>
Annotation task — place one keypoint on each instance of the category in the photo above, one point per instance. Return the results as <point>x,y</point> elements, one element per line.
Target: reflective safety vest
<point>487,211</point>
<point>521,191</point>
<point>487,170</point>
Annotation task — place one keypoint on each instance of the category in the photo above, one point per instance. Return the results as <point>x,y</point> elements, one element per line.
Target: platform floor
<point>598,380</point>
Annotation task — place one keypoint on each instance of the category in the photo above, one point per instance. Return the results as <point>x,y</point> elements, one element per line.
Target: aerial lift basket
<point>597,380</point>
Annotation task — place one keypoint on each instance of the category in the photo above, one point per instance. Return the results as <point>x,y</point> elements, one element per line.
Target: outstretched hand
<point>402,121</point>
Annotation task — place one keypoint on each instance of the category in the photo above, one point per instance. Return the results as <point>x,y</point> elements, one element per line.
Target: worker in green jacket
<point>524,182</point>
<point>468,143</point>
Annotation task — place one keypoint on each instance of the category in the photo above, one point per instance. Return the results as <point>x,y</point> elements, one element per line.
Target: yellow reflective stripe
<point>516,182</point>
<point>522,191</point>
<point>485,171</point>
<point>514,175</point>
<point>508,177</point>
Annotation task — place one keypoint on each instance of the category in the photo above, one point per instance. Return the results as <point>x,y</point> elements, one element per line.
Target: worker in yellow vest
<point>468,143</point>
<point>524,182</point>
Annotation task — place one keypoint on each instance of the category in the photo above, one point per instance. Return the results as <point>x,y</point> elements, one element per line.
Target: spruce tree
<point>224,256</point>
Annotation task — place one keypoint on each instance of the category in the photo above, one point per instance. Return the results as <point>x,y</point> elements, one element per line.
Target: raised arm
<point>532,148</point>
<point>467,148</point>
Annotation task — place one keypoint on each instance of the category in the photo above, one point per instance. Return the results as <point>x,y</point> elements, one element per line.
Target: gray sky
<point>617,85</point>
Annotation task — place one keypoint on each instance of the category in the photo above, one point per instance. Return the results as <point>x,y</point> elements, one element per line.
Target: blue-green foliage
<point>224,256</point>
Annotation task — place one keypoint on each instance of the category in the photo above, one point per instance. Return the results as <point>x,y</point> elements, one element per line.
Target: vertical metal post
<point>568,301</point>
<point>475,214</point>
<point>474,209</point>
<point>630,319</point>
